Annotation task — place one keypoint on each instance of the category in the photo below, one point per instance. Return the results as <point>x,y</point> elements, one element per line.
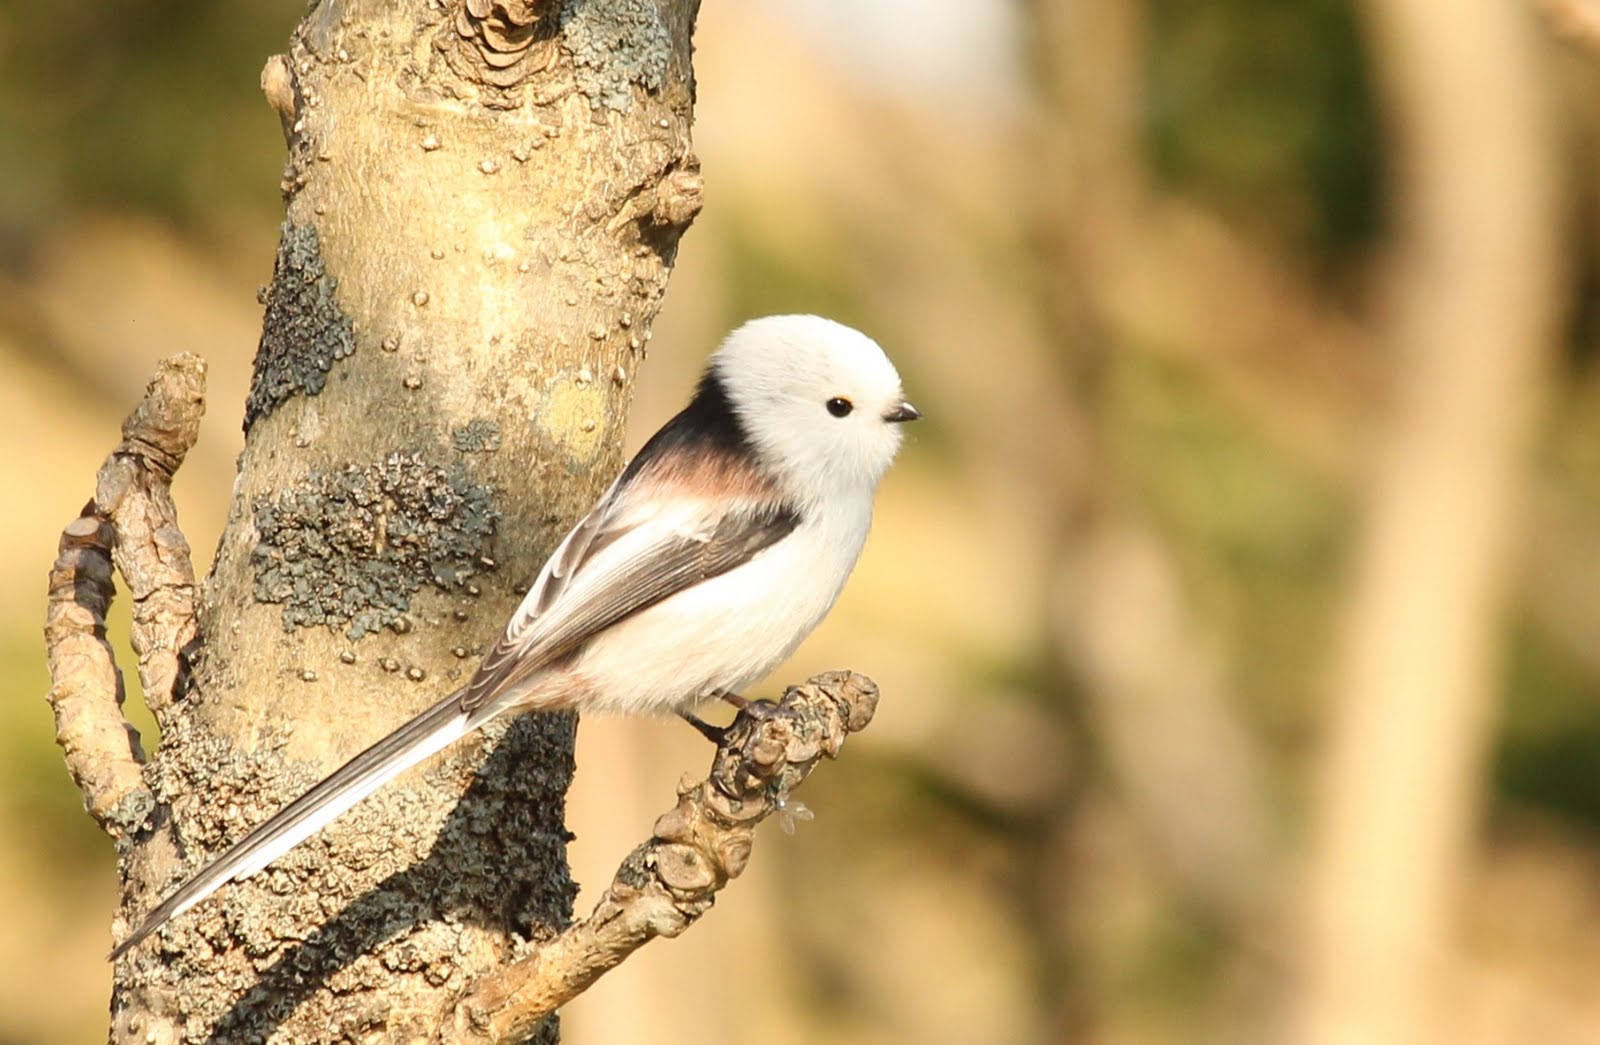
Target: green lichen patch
<point>570,421</point>
<point>304,329</point>
<point>348,548</point>
<point>616,44</point>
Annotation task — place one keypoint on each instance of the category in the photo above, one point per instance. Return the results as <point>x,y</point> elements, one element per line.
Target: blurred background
<point>1236,605</point>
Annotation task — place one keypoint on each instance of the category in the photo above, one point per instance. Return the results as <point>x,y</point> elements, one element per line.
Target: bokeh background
<point>1236,606</point>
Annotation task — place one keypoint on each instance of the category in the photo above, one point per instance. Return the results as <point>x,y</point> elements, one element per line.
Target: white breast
<point>730,631</point>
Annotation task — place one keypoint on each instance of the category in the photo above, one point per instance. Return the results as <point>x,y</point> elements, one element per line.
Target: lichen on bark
<point>304,331</point>
<point>350,546</point>
<point>481,435</point>
<point>616,45</point>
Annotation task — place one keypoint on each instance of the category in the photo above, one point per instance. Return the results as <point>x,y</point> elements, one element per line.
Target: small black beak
<point>904,412</point>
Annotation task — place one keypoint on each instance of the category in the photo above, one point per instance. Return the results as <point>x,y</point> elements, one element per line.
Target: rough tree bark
<point>483,204</point>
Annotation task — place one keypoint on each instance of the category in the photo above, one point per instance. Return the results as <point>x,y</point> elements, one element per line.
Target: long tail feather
<point>429,732</point>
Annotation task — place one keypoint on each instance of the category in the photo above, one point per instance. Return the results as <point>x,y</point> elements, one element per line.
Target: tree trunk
<point>484,201</point>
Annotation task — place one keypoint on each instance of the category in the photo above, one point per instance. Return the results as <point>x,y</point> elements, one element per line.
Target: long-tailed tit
<point>720,547</point>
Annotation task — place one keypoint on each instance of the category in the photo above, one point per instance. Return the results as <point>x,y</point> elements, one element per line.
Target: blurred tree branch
<point>1473,310</point>
<point>1575,20</point>
<point>1124,260</point>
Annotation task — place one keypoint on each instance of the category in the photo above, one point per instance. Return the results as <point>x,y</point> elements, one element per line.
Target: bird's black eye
<point>840,407</point>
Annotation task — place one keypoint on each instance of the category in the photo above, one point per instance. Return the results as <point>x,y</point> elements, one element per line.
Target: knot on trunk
<point>502,42</point>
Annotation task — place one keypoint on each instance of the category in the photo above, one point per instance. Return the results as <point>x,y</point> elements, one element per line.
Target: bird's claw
<point>715,734</point>
<point>760,710</point>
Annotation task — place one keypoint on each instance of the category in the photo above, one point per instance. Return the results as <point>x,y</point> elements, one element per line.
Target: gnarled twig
<point>671,880</point>
<point>131,520</point>
<point>101,748</point>
<point>134,492</point>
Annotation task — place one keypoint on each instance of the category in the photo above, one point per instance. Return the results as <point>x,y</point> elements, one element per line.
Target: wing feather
<point>547,587</point>
<point>600,591</point>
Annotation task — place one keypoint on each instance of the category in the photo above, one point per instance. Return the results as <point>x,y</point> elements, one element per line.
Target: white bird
<point>715,552</point>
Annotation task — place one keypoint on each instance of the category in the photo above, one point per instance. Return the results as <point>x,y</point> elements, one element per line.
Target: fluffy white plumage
<point>719,548</point>
<point>778,370</point>
<point>733,630</point>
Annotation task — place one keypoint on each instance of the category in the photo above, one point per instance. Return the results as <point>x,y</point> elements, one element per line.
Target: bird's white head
<point>820,402</point>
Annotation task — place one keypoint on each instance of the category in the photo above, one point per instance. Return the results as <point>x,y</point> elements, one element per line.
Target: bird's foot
<point>758,709</point>
<point>715,734</point>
